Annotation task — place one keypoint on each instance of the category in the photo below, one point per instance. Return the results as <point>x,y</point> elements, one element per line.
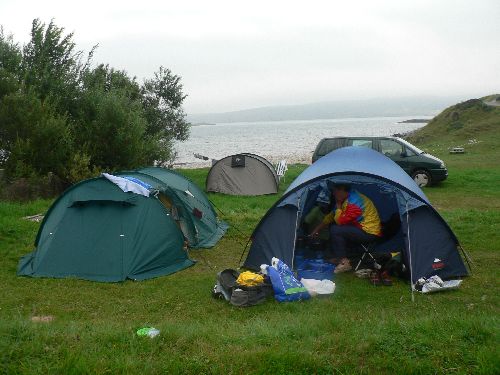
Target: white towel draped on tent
<point>127,185</point>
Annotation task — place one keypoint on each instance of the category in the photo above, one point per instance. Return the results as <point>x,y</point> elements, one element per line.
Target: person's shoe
<point>375,279</point>
<point>343,267</point>
<point>386,279</point>
<point>363,273</point>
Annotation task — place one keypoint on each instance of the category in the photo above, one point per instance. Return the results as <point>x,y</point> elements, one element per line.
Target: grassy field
<point>361,329</point>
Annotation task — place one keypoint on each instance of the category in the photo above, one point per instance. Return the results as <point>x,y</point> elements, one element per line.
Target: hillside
<point>475,126</point>
<point>381,107</point>
<point>465,122</point>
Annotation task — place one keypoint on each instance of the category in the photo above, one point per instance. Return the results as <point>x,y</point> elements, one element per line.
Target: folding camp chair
<point>281,169</point>
<point>368,248</point>
<point>389,229</point>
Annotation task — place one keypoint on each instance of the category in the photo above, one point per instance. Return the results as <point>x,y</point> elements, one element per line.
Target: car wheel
<point>422,178</point>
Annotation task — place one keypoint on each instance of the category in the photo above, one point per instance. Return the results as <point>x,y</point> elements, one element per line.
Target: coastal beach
<point>294,141</point>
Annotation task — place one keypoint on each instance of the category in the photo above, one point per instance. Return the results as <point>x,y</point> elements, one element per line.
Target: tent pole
<point>467,258</point>
<point>243,253</point>
<point>409,252</point>
<point>295,233</point>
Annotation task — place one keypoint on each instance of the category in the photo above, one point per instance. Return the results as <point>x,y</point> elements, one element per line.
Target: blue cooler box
<point>315,269</point>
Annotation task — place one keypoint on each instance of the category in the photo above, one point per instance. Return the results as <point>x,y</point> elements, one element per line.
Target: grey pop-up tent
<point>242,174</point>
<point>428,245</point>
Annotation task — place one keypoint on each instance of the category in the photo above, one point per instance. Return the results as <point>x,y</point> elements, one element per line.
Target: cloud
<point>234,55</point>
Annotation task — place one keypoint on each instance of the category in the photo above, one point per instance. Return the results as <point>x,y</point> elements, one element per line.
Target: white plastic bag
<point>318,287</point>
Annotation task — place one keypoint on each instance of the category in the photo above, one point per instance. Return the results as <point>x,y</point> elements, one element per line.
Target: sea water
<point>294,141</point>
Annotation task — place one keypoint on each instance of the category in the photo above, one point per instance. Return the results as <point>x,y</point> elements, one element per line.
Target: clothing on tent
<point>127,184</point>
<point>139,182</point>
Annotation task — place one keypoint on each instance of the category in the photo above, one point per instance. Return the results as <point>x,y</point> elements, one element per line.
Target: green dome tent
<point>96,231</point>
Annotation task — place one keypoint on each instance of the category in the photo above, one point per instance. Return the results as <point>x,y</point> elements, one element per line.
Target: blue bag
<point>286,287</point>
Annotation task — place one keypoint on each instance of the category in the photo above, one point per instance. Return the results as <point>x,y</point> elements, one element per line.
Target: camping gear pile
<point>278,280</point>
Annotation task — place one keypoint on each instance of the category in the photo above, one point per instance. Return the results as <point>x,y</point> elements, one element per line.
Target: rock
<point>42,319</point>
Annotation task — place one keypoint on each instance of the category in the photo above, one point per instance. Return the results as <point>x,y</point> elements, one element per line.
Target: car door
<point>396,152</point>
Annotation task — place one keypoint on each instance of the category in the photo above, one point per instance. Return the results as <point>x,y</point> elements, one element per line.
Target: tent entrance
<point>316,204</point>
<point>174,213</point>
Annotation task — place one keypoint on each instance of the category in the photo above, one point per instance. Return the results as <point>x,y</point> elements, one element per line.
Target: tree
<point>10,54</point>
<point>162,99</point>
<point>111,127</point>
<point>52,67</point>
<point>57,114</point>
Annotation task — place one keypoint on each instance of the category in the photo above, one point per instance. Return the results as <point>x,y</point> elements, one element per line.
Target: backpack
<point>245,296</point>
<point>226,283</point>
<point>227,288</point>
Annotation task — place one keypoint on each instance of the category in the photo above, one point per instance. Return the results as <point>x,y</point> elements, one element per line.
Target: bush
<point>30,188</point>
<point>38,140</point>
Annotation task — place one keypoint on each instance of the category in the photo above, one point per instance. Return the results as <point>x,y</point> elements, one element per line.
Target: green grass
<point>361,329</point>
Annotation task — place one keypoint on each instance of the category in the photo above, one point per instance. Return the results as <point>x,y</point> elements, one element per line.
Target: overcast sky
<point>235,55</point>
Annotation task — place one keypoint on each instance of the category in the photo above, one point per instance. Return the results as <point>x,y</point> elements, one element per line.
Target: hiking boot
<point>343,267</point>
<point>386,279</point>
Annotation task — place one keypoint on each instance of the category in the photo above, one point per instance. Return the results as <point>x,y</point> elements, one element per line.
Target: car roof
<point>361,136</point>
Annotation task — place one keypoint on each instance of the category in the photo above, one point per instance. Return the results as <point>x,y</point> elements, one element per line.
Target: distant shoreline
<point>293,141</point>
<point>202,123</point>
<point>414,121</point>
<point>407,121</point>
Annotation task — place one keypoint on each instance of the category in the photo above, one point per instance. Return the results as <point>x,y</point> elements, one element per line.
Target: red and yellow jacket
<point>357,210</point>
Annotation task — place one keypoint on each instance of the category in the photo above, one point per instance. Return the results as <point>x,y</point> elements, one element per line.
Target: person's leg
<point>338,242</point>
<point>356,235</point>
<point>340,237</point>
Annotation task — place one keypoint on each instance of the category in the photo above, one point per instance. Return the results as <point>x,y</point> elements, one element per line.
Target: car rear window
<point>329,145</point>
<point>361,142</point>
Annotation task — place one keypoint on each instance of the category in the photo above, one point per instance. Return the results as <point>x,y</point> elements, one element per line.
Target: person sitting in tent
<point>353,220</point>
<point>315,217</point>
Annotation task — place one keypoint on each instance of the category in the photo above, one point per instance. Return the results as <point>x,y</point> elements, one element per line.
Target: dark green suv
<point>424,168</point>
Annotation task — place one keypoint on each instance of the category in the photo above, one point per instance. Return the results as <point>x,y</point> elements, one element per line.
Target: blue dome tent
<point>428,245</point>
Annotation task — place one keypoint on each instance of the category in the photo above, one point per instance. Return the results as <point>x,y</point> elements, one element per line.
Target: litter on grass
<point>148,331</point>
<point>42,319</point>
